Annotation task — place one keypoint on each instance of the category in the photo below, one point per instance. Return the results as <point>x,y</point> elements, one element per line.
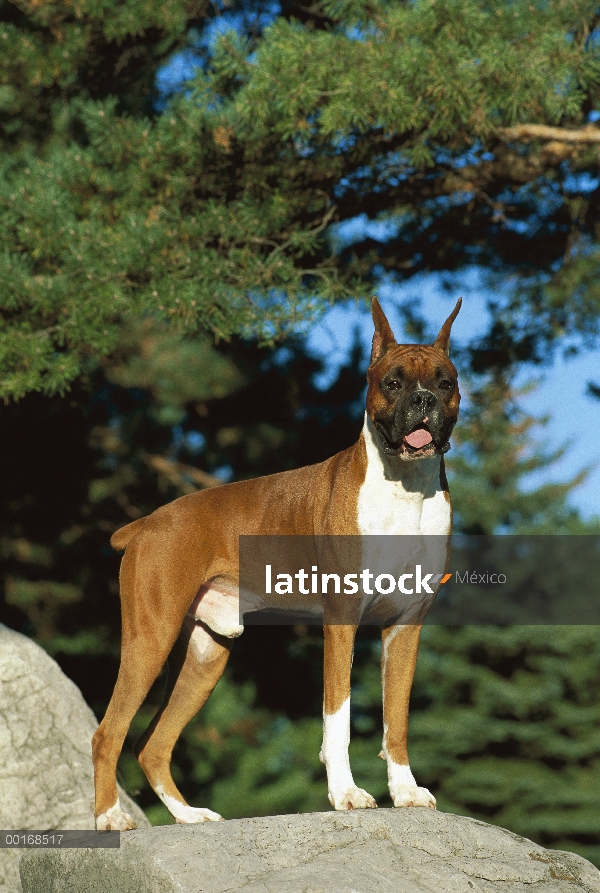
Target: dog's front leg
<point>339,648</point>
<point>398,660</point>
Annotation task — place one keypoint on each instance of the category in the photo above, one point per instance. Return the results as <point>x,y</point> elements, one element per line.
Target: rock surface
<point>364,851</point>
<point>46,776</point>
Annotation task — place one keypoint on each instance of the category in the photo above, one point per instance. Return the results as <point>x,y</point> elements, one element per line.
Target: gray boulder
<point>365,851</point>
<point>46,775</point>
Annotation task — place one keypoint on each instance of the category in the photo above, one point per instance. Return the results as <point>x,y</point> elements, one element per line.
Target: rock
<point>364,851</point>
<point>46,775</point>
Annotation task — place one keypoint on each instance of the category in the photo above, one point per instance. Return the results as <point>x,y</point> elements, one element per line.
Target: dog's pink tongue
<point>418,438</point>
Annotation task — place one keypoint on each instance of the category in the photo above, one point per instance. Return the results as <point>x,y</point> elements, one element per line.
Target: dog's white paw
<point>190,815</point>
<point>184,814</point>
<point>353,798</point>
<point>412,795</point>
<point>404,790</point>
<point>115,819</point>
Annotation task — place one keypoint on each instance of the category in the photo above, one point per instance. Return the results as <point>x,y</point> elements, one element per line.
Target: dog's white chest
<point>385,509</point>
<point>399,497</point>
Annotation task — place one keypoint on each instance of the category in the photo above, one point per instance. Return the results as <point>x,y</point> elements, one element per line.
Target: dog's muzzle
<point>418,427</point>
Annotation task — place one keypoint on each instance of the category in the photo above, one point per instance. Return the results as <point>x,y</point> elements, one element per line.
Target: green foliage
<point>54,50</point>
<point>434,71</point>
<point>176,372</point>
<point>41,600</point>
<point>219,213</point>
<point>505,727</point>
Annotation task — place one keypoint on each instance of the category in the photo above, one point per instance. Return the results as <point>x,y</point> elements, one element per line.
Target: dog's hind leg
<point>142,659</point>
<point>152,621</point>
<point>195,666</point>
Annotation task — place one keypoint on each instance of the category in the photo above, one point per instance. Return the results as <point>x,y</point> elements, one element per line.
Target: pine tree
<point>460,124</point>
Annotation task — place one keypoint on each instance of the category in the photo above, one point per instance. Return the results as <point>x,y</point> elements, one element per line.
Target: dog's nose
<point>421,399</point>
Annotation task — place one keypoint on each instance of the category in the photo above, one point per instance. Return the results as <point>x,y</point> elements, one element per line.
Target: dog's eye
<point>393,384</point>
<point>445,385</point>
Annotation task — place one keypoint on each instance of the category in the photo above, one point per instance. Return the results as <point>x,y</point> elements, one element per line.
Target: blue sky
<point>573,416</point>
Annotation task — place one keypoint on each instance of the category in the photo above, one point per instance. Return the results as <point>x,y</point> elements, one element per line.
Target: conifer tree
<point>463,125</point>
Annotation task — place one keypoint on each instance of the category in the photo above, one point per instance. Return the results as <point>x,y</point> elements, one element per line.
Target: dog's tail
<point>121,537</point>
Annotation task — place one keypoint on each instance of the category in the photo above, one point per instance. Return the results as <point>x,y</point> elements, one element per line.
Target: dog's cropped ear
<point>383,336</point>
<point>443,339</point>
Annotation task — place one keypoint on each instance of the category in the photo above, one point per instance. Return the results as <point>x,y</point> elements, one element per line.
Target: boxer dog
<point>179,576</point>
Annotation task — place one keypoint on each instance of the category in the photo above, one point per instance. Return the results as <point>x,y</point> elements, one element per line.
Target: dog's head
<point>413,394</point>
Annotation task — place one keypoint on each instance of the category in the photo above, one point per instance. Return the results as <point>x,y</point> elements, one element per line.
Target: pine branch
<point>526,132</point>
<point>179,472</point>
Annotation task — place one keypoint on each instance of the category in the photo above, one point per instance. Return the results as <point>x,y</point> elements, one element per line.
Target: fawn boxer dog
<point>179,576</point>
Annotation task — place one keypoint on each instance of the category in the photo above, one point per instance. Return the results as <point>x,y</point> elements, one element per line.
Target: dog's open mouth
<point>418,438</point>
<point>418,442</point>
